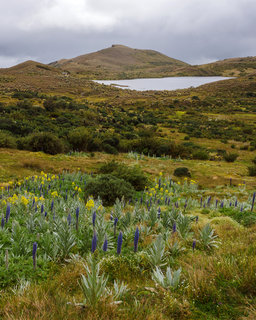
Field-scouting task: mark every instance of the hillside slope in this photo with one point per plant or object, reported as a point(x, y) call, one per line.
point(231, 67)
point(121, 61)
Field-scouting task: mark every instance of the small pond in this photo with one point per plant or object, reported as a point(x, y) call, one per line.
point(170, 83)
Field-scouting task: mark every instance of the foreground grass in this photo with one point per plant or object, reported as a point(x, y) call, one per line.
point(217, 282)
point(19, 164)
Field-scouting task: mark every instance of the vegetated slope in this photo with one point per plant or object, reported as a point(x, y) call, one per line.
point(28, 67)
point(121, 61)
point(231, 67)
point(36, 76)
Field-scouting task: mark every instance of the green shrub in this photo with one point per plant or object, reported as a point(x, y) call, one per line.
point(109, 188)
point(109, 149)
point(44, 141)
point(252, 171)
point(182, 172)
point(230, 157)
point(201, 155)
point(80, 139)
point(7, 141)
point(134, 175)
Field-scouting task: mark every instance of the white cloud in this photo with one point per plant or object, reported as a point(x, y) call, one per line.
point(7, 61)
point(184, 29)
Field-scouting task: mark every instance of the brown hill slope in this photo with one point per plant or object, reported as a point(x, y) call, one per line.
point(120, 61)
point(29, 66)
point(231, 67)
point(35, 76)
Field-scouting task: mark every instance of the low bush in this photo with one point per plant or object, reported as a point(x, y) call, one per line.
point(230, 157)
point(108, 188)
point(182, 172)
point(7, 141)
point(80, 139)
point(134, 175)
point(45, 141)
point(252, 171)
point(109, 149)
point(201, 155)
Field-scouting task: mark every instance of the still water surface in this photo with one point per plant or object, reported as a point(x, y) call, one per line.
point(170, 83)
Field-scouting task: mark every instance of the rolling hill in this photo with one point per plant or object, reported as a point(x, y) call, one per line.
point(121, 61)
point(231, 67)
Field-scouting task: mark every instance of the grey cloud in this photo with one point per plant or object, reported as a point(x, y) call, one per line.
point(195, 31)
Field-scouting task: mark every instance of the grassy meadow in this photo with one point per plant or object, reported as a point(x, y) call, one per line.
point(119, 204)
point(181, 248)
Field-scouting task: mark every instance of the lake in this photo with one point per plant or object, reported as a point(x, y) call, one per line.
point(170, 83)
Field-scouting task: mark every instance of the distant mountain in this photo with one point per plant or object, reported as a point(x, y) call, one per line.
point(231, 67)
point(121, 61)
point(116, 62)
point(27, 67)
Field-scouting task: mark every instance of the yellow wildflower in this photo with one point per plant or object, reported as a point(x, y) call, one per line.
point(90, 204)
point(24, 201)
point(54, 194)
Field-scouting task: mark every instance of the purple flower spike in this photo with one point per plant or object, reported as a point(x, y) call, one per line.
point(105, 245)
point(77, 216)
point(8, 212)
point(193, 245)
point(174, 227)
point(42, 208)
point(158, 213)
point(119, 242)
point(94, 242)
point(136, 239)
point(69, 219)
point(34, 254)
point(115, 223)
point(94, 218)
point(253, 200)
point(52, 205)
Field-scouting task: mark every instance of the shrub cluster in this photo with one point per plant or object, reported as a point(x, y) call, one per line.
point(134, 175)
point(108, 188)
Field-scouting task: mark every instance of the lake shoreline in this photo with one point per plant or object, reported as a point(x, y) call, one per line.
point(161, 84)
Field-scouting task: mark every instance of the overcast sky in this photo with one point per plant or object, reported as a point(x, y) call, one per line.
point(195, 31)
